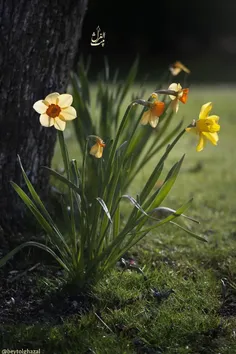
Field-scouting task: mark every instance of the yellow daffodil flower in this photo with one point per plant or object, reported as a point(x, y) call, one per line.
point(55, 110)
point(97, 149)
point(182, 95)
point(177, 67)
point(206, 127)
point(155, 110)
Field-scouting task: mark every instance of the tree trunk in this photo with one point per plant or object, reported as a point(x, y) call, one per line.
point(39, 41)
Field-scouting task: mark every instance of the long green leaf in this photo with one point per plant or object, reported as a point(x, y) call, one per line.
point(4, 259)
point(129, 81)
point(155, 200)
point(49, 228)
point(201, 238)
point(104, 207)
point(34, 195)
point(62, 178)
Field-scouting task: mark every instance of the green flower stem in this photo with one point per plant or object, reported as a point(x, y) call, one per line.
point(64, 153)
point(120, 131)
point(65, 157)
point(132, 134)
point(167, 92)
point(84, 223)
point(84, 167)
point(97, 212)
point(170, 146)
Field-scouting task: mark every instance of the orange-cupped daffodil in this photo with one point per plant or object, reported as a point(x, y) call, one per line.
point(97, 149)
point(156, 109)
point(181, 95)
point(55, 110)
point(177, 67)
point(206, 127)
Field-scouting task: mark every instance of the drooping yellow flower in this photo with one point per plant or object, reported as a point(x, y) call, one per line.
point(55, 110)
point(155, 110)
point(177, 67)
point(97, 149)
point(206, 127)
point(181, 95)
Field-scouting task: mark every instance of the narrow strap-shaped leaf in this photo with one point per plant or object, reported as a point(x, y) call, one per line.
point(136, 204)
point(198, 237)
point(75, 173)
point(129, 81)
point(178, 212)
point(47, 226)
point(105, 208)
point(155, 200)
point(36, 197)
point(62, 178)
point(4, 259)
point(164, 211)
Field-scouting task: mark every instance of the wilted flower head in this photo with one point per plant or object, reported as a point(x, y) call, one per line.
point(156, 109)
point(55, 110)
point(206, 127)
point(177, 67)
point(181, 95)
point(97, 149)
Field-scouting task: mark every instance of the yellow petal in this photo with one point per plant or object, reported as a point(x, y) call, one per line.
point(174, 71)
point(173, 87)
point(40, 107)
point(94, 149)
point(154, 121)
point(213, 137)
point(68, 113)
point(52, 98)
point(154, 95)
point(146, 117)
point(175, 105)
point(59, 124)
point(46, 121)
point(206, 108)
point(179, 87)
point(178, 64)
point(99, 152)
point(65, 100)
point(215, 118)
point(201, 143)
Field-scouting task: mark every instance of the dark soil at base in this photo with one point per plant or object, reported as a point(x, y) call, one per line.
point(32, 293)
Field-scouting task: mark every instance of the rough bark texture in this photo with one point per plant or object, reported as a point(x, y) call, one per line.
point(38, 42)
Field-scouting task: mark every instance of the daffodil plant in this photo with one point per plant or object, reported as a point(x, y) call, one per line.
point(97, 235)
point(109, 96)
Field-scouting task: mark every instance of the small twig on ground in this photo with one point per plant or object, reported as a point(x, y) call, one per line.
point(101, 320)
point(22, 274)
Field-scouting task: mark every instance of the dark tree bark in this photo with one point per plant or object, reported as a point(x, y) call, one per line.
point(38, 42)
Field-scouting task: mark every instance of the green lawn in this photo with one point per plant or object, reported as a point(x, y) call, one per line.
point(196, 317)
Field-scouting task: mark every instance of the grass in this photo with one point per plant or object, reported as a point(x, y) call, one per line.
point(134, 315)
